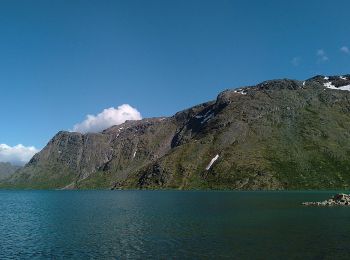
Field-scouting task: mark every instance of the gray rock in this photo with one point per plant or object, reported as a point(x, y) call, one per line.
point(339, 199)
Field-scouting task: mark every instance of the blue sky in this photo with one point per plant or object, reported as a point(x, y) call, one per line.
point(61, 60)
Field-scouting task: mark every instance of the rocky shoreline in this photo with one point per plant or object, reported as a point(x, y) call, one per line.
point(340, 199)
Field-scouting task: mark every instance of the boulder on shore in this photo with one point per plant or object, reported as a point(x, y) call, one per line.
point(339, 199)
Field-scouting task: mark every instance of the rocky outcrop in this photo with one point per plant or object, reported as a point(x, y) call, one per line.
point(340, 199)
point(279, 134)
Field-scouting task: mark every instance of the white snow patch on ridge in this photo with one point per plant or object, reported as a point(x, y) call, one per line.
point(240, 91)
point(331, 86)
point(343, 78)
point(211, 162)
point(347, 88)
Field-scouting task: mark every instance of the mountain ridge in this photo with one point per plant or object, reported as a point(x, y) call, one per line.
point(278, 134)
point(7, 169)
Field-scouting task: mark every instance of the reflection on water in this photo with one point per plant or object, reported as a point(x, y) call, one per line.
point(170, 224)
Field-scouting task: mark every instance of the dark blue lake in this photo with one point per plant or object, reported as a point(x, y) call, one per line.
point(170, 224)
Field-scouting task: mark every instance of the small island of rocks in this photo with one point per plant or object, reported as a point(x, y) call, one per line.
point(340, 199)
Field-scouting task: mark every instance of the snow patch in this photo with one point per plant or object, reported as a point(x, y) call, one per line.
point(331, 86)
point(240, 91)
point(303, 83)
point(119, 130)
point(326, 78)
point(207, 116)
point(343, 78)
point(347, 88)
point(211, 162)
point(133, 156)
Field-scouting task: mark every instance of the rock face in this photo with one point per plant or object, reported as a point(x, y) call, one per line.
point(7, 169)
point(340, 199)
point(280, 134)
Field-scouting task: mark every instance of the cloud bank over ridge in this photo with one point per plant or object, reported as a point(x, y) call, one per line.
point(18, 154)
point(107, 118)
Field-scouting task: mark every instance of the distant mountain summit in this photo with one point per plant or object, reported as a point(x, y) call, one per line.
point(279, 134)
point(6, 169)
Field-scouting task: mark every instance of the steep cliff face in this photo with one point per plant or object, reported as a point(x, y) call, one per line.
point(280, 134)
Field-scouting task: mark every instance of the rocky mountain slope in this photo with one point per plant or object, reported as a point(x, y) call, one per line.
point(280, 134)
point(6, 169)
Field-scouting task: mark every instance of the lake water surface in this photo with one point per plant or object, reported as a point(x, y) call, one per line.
point(170, 224)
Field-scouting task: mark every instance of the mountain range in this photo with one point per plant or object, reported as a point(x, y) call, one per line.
point(7, 169)
point(279, 134)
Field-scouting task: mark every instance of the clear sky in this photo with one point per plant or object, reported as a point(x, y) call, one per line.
point(61, 60)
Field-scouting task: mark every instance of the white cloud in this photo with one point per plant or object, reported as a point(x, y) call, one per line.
point(320, 52)
point(107, 118)
point(18, 154)
point(296, 61)
point(345, 49)
point(322, 56)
